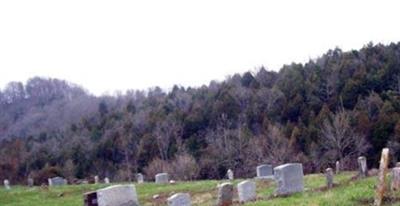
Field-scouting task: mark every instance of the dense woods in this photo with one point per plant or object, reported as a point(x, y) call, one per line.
point(336, 107)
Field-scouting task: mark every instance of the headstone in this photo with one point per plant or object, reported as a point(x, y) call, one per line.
point(265, 171)
point(229, 173)
point(179, 199)
point(90, 199)
point(96, 179)
point(7, 184)
point(117, 195)
point(225, 194)
point(289, 178)
point(246, 191)
point(140, 178)
point(30, 182)
point(397, 164)
point(329, 177)
point(162, 178)
point(381, 187)
point(107, 180)
point(362, 167)
point(395, 185)
point(57, 181)
point(337, 167)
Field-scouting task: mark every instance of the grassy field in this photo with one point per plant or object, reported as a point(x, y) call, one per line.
point(348, 191)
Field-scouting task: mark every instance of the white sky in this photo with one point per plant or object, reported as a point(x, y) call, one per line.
point(118, 45)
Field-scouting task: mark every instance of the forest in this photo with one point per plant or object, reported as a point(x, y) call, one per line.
point(336, 107)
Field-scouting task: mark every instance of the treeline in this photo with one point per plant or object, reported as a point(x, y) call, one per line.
point(335, 107)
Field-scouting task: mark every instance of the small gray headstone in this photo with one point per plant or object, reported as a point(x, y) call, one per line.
point(162, 178)
point(96, 179)
point(246, 191)
point(362, 167)
point(7, 184)
point(225, 194)
point(337, 167)
point(30, 182)
point(140, 178)
point(329, 177)
point(179, 199)
point(289, 178)
point(229, 173)
point(57, 181)
point(117, 195)
point(107, 180)
point(265, 171)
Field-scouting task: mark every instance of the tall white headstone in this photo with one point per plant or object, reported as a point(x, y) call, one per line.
point(229, 173)
point(140, 178)
point(7, 184)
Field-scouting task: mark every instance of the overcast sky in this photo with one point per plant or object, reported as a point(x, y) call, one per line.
point(118, 45)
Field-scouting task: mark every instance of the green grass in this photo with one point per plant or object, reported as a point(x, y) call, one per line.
point(346, 192)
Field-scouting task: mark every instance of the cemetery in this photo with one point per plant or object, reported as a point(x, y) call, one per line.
point(286, 185)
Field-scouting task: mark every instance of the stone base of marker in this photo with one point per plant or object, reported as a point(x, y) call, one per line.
point(395, 184)
point(179, 199)
point(246, 191)
point(225, 194)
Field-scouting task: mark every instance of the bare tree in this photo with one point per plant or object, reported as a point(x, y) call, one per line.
point(165, 131)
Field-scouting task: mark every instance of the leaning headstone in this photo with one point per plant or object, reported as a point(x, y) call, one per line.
point(289, 178)
point(30, 182)
point(246, 191)
point(329, 177)
point(265, 172)
point(96, 179)
point(107, 180)
point(7, 184)
point(117, 195)
point(90, 199)
point(179, 199)
point(140, 178)
point(381, 187)
point(229, 173)
point(395, 185)
point(337, 167)
point(225, 194)
point(162, 178)
point(362, 167)
point(57, 181)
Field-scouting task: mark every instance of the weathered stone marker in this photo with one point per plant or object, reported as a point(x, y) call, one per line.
point(329, 177)
point(162, 178)
point(96, 179)
point(90, 199)
point(381, 187)
point(225, 194)
point(289, 178)
point(397, 164)
point(265, 171)
point(7, 184)
point(229, 173)
point(140, 178)
point(337, 167)
point(179, 199)
point(107, 180)
point(395, 185)
point(57, 181)
point(117, 195)
point(246, 191)
point(362, 167)
point(30, 182)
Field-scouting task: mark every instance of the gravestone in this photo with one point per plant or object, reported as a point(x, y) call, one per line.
point(381, 187)
point(107, 180)
point(246, 191)
point(362, 167)
point(30, 182)
point(117, 195)
point(140, 178)
point(90, 199)
point(179, 199)
point(397, 164)
point(329, 177)
point(162, 178)
point(229, 173)
point(289, 178)
point(337, 167)
point(225, 194)
point(96, 179)
point(57, 181)
point(395, 185)
point(7, 184)
point(265, 171)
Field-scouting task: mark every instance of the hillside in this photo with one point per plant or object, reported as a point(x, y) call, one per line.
point(336, 107)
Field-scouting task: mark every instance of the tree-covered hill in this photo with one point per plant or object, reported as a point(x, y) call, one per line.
point(336, 107)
